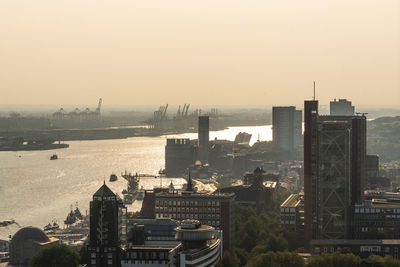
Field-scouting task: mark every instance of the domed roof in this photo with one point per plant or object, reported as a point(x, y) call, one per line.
point(30, 233)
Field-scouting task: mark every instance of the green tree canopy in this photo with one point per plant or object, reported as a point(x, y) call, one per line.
point(278, 259)
point(59, 255)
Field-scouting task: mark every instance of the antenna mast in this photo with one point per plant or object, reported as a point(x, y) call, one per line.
point(314, 91)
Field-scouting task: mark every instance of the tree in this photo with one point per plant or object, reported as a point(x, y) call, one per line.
point(229, 260)
point(59, 255)
point(278, 259)
point(335, 259)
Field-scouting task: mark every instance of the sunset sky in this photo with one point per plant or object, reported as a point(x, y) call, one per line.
point(204, 52)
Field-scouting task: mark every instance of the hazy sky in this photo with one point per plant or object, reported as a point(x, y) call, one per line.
point(199, 51)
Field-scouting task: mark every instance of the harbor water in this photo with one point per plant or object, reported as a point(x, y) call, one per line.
point(35, 190)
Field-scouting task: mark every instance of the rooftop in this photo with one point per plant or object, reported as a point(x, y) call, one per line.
point(104, 191)
point(292, 201)
point(355, 242)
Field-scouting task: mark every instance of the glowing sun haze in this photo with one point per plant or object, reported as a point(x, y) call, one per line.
point(200, 52)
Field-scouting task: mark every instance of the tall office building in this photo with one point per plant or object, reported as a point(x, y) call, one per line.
point(310, 169)
point(341, 108)
point(334, 171)
point(286, 127)
point(107, 229)
point(334, 180)
point(204, 128)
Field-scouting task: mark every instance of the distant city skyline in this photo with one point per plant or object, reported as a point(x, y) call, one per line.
point(204, 53)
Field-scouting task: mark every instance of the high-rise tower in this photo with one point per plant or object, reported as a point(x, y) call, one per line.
point(204, 128)
point(334, 171)
point(286, 127)
point(310, 168)
point(107, 228)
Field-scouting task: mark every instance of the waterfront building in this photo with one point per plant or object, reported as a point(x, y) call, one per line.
point(286, 127)
point(26, 243)
point(341, 108)
point(179, 156)
point(107, 229)
point(203, 138)
point(216, 209)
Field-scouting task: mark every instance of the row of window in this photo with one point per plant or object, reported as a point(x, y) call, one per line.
point(376, 210)
point(179, 209)
point(147, 255)
point(187, 215)
point(186, 203)
point(286, 209)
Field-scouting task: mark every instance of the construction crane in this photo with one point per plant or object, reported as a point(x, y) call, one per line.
point(99, 106)
point(187, 109)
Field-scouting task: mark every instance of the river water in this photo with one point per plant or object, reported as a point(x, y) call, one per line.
point(35, 190)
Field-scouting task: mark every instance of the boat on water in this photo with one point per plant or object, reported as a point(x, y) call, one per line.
point(113, 177)
point(54, 157)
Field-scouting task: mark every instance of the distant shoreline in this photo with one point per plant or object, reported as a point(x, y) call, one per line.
point(33, 147)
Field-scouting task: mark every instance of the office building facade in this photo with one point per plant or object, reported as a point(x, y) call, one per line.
point(286, 127)
point(203, 136)
point(342, 107)
point(216, 210)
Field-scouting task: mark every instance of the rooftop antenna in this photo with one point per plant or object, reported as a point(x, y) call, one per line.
point(314, 91)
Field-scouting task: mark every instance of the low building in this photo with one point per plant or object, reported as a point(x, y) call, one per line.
point(255, 192)
point(200, 244)
point(292, 213)
point(215, 209)
point(26, 243)
point(193, 244)
point(377, 219)
point(360, 247)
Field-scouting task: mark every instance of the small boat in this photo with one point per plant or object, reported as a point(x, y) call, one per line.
point(54, 157)
point(113, 178)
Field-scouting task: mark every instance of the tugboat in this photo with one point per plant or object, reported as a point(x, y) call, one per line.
point(113, 177)
point(54, 157)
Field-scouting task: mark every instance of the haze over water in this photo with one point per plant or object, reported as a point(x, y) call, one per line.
point(35, 190)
